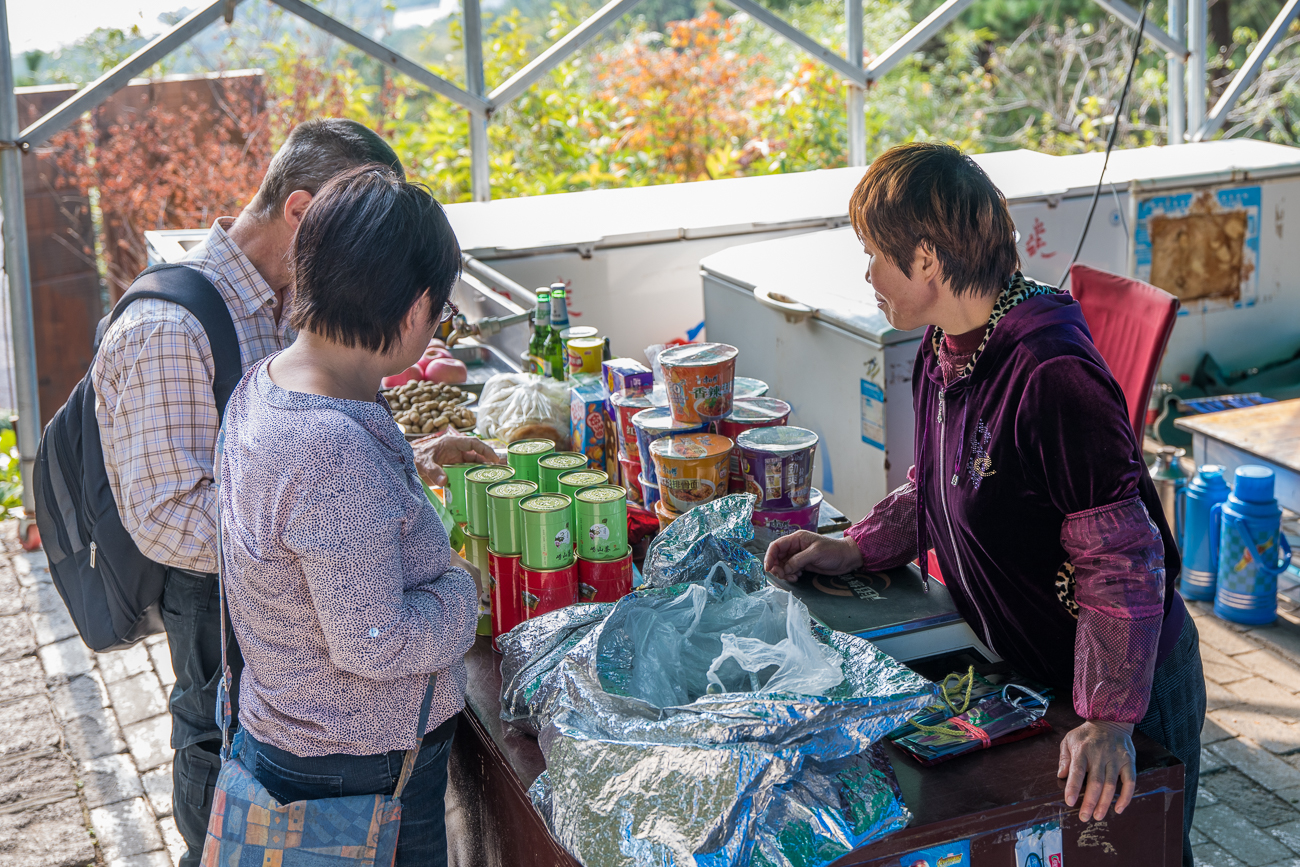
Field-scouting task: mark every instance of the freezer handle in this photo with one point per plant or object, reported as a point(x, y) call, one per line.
point(794, 311)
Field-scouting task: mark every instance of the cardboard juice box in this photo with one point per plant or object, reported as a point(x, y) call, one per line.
point(588, 422)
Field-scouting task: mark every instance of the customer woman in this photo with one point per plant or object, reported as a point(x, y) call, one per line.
point(1028, 481)
point(343, 591)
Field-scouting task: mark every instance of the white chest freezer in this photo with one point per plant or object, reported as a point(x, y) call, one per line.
point(824, 347)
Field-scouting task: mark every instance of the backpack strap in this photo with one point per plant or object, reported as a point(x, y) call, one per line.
point(187, 287)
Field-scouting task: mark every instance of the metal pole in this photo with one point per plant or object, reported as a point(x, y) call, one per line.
point(1198, 35)
point(18, 270)
point(1248, 71)
point(480, 178)
point(856, 99)
point(1176, 74)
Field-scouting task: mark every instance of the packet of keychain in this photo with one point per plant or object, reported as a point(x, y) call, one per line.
point(1013, 713)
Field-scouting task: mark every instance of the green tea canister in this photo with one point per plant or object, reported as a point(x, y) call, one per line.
point(548, 536)
point(600, 522)
point(576, 480)
point(551, 466)
point(505, 521)
point(454, 493)
point(523, 456)
point(477, 481)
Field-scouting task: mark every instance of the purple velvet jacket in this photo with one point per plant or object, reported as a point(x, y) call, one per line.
point(1029, 463)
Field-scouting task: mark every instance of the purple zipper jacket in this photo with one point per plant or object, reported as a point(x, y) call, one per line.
point(1029, 476)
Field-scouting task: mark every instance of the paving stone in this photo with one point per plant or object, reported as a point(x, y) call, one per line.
point(27, 724)
point(52, 626)
point(1267, 696)
point(1289, 834)
point(1197, 837)
point(1211, 763)
point(1221, 637)
point(54, 835)
point(93, 735)
point(1268, 770)
point(31, 567)
point(176, 846)
point(1205, 798)
point(20, 678)
point(66, 659)
point(1274, 734)
point(11, 596)
point(161, 655)
point(121, 664)
point(109, 779)
point(158, 787)
point(31, 780)
point(79, 696)
point(1291, 796)
point(1212, 732)
point(1230, 830)
point(16, 637)
point(1250, 799)
point(1271, 666)
point(128, 828)
point(150, 742)
point(137, 698)
point(1218, 696)
point(148, 859)
point(1210, 855)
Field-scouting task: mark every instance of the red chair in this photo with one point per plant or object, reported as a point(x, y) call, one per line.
point(1130, 323)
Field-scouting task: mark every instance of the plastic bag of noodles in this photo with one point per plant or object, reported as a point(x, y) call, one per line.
point(702, 724)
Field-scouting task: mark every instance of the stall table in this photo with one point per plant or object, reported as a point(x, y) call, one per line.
point(984, 798)
point(1266, 435)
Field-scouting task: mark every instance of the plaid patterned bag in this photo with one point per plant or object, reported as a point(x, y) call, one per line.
point(250, 828)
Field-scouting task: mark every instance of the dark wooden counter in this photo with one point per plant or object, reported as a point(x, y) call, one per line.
point(985, 797)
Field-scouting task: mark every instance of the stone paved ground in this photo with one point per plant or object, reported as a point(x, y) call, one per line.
point(85, 766)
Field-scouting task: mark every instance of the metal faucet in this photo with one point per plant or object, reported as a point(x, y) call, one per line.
point(485, 327)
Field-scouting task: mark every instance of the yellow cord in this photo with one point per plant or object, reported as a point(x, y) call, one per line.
point(949, 691)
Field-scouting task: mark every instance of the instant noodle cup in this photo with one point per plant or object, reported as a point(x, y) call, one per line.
point(691, 468)
point(699, 379)
point(747, 386)
point(666, 515)
point(626, 407)
point(652, 424)
point(786, 521)
point(777, 465)
point(629, 476)
point(649, 493)
point(748, 413)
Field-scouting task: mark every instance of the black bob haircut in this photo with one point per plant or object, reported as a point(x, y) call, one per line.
point(368, 247)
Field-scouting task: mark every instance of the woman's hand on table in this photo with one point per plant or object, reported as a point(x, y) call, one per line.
point(433, 452)
point(790, 555)
point(1103, 753)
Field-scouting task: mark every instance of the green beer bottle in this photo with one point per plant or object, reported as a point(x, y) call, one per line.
point(557, 361)
point(541, 330)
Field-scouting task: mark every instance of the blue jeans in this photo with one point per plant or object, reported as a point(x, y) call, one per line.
point(422, 840)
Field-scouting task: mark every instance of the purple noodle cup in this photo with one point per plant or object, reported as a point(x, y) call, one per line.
point(776, 463)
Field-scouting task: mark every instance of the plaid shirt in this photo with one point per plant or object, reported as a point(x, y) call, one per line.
point(158, 421)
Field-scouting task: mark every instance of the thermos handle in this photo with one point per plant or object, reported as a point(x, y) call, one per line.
point(1216, 524)
point(1284, 547)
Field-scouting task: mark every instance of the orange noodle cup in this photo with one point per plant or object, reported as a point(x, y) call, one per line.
point(692, 468)
point(666, 515)
point(699, 379)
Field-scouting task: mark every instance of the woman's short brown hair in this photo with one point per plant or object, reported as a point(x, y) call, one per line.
point(933, 194)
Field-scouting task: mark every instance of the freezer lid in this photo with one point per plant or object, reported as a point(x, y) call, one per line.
point(825, 271)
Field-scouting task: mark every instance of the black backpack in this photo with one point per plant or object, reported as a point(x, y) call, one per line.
point(111, 589)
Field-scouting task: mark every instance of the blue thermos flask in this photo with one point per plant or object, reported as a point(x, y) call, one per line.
point(1203, 493)
point(1250, 549)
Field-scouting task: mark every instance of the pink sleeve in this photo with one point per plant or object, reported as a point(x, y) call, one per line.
point(1119, 573)
point(887, 535)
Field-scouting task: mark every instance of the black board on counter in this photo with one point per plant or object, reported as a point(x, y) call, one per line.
point(874, 605)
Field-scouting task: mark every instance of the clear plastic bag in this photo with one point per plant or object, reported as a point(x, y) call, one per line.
point(517, 406)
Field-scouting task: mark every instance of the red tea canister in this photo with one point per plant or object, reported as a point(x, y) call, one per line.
point(748, 413)
point(504, 575)
point(604, 581)
point(777, 465)
point(546, 590)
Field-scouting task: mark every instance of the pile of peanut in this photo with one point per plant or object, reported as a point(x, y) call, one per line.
point(428, 407)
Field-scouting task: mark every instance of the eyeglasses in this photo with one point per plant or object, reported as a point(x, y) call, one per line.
point(448, 310)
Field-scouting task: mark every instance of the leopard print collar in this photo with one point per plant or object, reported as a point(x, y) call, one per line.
point(1020, 288)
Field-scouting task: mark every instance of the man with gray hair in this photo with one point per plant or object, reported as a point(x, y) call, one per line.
point(158, 422)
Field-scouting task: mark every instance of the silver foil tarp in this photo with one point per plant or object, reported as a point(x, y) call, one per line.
point(711, 533)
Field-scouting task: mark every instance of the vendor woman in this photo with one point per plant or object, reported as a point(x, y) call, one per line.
point(1029, 483)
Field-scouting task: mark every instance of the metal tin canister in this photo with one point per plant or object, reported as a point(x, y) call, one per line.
point(604, 580)
point(548, 534)
point(476, 552)
point(747, 386)
point(543, 590)
point(575, 480)
point(585, 354)
point(523, 456)
point(600, 522)
point(453, 495)
point(507, 604)
point(785, 521)
point(625, 407)
point(699, 378)
point(551, 466)
point(477, 481)
point(505, 521)
point(692, 468)
point(650, 425)
point(748, 413)
point(777, 465)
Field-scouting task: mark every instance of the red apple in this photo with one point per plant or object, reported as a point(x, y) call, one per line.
point(411, 374)
point(446, 370)
point(436, 352)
